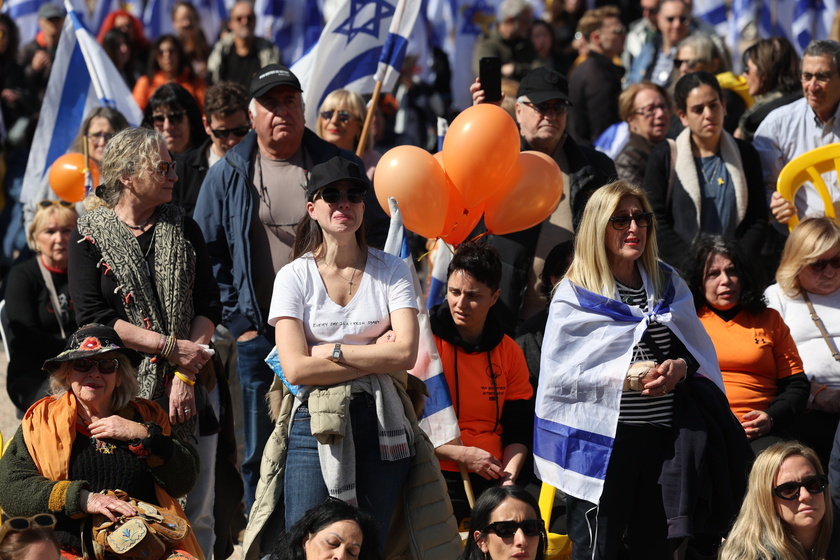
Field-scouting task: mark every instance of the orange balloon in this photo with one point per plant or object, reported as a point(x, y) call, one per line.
point(413, 177)
point(460, 220)
point(479, 150)
point(67, 177)
point(535, 194)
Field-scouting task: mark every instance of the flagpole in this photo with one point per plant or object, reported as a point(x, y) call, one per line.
point(374, 100)
point(465, 477)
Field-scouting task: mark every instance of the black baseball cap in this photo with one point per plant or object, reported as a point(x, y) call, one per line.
point(543, 84)
point(332, 171)
point(272, 76)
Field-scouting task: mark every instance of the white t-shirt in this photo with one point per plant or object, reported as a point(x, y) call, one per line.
point(817, 361)
point(299, 292)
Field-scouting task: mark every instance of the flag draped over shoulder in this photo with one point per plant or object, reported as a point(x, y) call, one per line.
point(587, 349)
point(82, 79)
point(438, 419)
point(351, 46)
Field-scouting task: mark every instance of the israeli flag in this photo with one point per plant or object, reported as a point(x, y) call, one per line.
point(25, 14)
point(438, 419)
point(293, 26)
point(360, 35)
point(82, 78)
point(714, 13)
point(800, 21)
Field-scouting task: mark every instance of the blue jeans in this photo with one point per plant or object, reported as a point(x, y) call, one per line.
point(255, 378)
point(378, 482)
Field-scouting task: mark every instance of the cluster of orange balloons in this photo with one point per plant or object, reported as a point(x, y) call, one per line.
point(479, 171)
point(67, 177)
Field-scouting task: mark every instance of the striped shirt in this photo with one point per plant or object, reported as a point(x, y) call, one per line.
point(637, 408)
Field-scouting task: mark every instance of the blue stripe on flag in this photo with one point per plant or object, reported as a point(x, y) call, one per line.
point(393, 51)
point(437, 289)
point(572, 449)
point(405, 250)
point(716, 16)
point(358, 67)
point(24, 8)
point(72, 103)
point(439, 397)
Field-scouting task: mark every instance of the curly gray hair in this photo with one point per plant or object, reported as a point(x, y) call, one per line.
point(133, 152)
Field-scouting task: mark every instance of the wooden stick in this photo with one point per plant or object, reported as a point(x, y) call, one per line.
point(374, 100)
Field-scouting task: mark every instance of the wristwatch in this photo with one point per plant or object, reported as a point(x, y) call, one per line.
point(336, 353)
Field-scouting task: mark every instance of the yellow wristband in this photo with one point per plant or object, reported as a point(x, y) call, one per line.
point(184, 378)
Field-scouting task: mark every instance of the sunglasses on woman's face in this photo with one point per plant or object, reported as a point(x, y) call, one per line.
point(343, 116)
point(174, 117)
point(819, 266)
point(507, 529)
point(104, 365)
point(623, 222)
point(815, 484)
point(331, 195)
point(48, 203)
point(18, 524)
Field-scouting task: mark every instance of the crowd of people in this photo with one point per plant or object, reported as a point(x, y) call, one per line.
point(661, 349)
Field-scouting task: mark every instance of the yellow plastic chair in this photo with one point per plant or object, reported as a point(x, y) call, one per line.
point(559, 546)
point(809, 167)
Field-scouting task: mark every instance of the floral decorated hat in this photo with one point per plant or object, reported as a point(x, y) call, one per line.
point(92, 340)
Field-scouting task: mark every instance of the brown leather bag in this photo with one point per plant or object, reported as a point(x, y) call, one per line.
point(147, 535)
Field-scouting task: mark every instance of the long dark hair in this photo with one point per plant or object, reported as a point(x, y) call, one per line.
point(153, 67)
point(777, 64)
point(290, 544)
point(483, 510)
point(175, 97)
point(749, 275)
point(14, 38)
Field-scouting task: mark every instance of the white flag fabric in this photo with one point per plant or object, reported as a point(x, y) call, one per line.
point(25, 15)
point(349, 49)
point(800, 21)
point(82, 78)
point(438, 419)
point(293, 26)
point(396, 43)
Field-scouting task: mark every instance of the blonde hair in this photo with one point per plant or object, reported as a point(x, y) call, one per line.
point(759, 532)
point(350, 101)
point(810, 239)
point(591, 268)
point(42, 217)
point(124, 392)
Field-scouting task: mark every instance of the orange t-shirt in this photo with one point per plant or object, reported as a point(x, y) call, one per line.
point(754, 352)
point(477, 404)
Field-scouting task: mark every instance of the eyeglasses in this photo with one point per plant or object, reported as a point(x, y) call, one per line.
point(19, 524)
point(821, 77)
point(105, 365)
point(239, 131)
point(343, 116)
point(331, 195)
point(649, 111)
point(683, 19)
point(249, 18)
point(819, 265)
point(507, 529)
point(100, 136)
point(815, 484)
point(164, 167)
point(174, 117)
point(623, 222)
point(48, 203)
point(616, 30)
point(549, 109)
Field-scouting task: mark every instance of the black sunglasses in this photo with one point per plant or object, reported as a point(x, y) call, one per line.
point(819, 266)
point(104, 365)
point(48, 203)
point(18, 524)
point(331, 195)
point(239, 131)
point(507, 529)
point(174, 117)
point(683, 19)
point(623, 222)
point(815, 484)
point(100, 135)
point(548, 108)
point(343, 116)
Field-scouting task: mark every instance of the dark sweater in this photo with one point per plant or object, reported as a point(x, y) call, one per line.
point(35, 334)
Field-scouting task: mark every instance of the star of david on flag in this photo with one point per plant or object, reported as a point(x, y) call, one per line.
point(360, 35)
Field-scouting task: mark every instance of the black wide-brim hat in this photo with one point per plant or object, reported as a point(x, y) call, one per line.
point(92, 340)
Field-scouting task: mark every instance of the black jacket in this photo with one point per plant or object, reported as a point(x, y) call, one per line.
point(594, 88)
point(192, 167)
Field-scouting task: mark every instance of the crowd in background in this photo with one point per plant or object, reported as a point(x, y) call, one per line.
point(659, 335)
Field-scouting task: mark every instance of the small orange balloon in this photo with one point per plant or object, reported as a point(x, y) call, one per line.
point(479, 150)
point(413, 177)
point(535, 194)
point(67, 177)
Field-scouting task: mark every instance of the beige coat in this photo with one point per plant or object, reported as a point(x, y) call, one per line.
point(424, 527)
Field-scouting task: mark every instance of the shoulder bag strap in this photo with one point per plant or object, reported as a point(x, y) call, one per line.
point(816, 318)
point(48, 280)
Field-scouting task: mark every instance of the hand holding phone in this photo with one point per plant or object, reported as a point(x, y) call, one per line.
point(490, 74)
